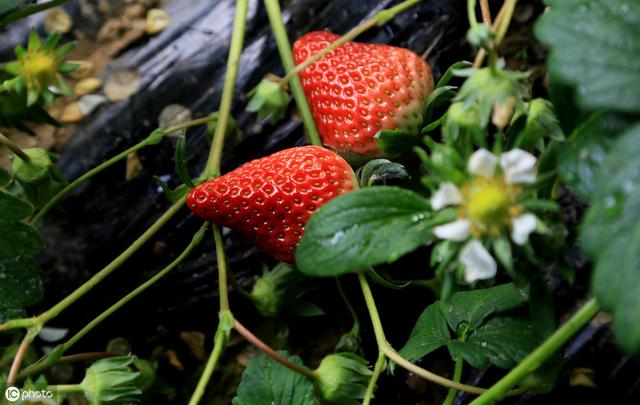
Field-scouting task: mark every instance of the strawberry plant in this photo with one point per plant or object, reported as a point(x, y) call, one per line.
point(463, 178)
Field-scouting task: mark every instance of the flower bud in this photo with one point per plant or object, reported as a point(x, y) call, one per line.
point(343, 378)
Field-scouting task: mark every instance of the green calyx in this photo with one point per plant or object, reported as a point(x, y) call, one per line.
point(34, 170)
point(111, 380)
point(40, 178)
point(277, 288)
point(343, 379)
point(268, 99)
point(39, 68)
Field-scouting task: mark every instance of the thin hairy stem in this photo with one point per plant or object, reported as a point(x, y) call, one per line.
point(284, 48)
point(14, 148)
point(264, 348)
point(377, 369)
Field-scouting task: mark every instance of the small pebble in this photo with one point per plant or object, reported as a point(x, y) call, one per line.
point(122, 84)
point(86, 86)
point(57, 20)
point(88, 104)
point(157, 20)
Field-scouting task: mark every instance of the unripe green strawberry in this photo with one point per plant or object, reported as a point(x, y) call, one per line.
point(270, 200)
point(359, 89)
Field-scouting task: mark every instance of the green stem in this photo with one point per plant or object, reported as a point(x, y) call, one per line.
point(117, 262)
point(457, 375)
point(197, 238)
point(222, 268)
point(27, 11)
point(354, 315)
point(238, 288)
point(471, 13)
point(377, 369)
point(381, 18)
point(151, 139)
point(509, 7)
point(14, 148)
point(264, 348)
point(18, 323)
point(534, 360)
point(47, 362)
point(235, 51)
point(284, 48)
point(373, 311)
point(65, 389)
point(218, 345)
point(212, 169)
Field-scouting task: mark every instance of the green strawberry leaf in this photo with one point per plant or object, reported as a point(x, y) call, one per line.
point(18, 239)
point(595, 46)
point(351, 232)
point(471, 308)
point(266, 382)
point(20, 283)
point(395, 142)
point(181, 161)
point(502, 341)
point(5, 177)
point(13, 208)
point(611, 235)
point(8, 5)
point(582, 156)
point(430, 333)
point(8, 313)
point(450, 73)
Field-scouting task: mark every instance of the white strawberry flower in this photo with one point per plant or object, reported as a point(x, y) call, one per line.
point(488, 205)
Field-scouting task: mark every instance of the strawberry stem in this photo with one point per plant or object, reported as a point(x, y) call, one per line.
point(222, 268)
point(264, 348)
point(500, 26)
point(377, 369)
point(218, 346)
point(212, 168)
point(379, 19)
point(14, 148)
point(284, 48)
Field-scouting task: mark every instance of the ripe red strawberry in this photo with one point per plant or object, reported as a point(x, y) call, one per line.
point(269, 200)
point(359, 89)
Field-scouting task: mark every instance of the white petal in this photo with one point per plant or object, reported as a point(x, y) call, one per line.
point(456, 231)
point(477, 261)
point(52, 335)
point(522, 228)
point(482, 163)
point(518, 166)
point(447, 194)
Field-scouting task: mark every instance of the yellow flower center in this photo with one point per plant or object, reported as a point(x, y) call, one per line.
point(490, 204)
point(39, 68)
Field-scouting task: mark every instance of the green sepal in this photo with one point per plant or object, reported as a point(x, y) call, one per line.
point(111, 379)
point(342, 378)
point(268, 99)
